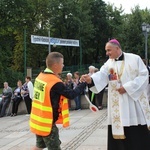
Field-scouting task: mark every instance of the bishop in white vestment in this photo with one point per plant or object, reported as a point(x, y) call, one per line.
point(128, 107)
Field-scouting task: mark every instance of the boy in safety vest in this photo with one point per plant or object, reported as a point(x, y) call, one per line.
point(50, 104)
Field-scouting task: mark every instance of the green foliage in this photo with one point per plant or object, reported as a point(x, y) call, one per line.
point(133, 33)
point(18, 52)
point(115, 22)
point(11, 77)
point(100, 36)
point(71, 20)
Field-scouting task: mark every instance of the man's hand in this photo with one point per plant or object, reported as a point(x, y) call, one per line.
point(121, 90)
point(86, 78)
point(3, 97)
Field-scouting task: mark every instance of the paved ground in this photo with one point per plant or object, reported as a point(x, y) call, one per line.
point(87, 132)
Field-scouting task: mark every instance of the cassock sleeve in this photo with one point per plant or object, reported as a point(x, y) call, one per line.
point(100, 79)
point(135, 87)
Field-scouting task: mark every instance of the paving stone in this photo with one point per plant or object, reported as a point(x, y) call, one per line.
point(87, 131)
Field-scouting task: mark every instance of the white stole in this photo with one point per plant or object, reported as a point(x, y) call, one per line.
point(115, 99)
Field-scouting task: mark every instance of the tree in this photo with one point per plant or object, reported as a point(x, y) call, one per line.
point(91, 21)
point(71, 20)
point(100, 27)
point(132, 32)
point(115, 19)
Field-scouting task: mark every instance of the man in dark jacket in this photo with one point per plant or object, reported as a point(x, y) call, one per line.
point(6, 97)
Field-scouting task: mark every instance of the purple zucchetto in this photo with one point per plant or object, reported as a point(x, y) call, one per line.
point(114, 41)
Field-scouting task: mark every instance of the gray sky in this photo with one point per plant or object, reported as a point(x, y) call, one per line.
point(128, 4)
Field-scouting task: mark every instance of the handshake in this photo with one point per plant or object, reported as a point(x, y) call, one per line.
point(86, 78)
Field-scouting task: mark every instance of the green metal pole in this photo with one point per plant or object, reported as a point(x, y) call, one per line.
point(146, 36)
point(49, 44)
point(25, 49)
point(80, 54)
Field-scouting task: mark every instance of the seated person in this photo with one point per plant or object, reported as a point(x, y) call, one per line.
point(6, 97)
point(16, 98)
point(78, 98)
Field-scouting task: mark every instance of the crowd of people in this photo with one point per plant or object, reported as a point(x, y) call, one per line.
point(72, 80)
point(96, 99)
point(12, 98)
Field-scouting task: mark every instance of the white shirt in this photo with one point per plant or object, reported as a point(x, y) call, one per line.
point(30, 88)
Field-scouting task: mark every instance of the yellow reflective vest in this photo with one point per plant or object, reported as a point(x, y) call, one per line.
point(41, 117)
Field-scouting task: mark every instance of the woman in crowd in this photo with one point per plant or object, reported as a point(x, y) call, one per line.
point(27, 93)
point(16, 98)
point(77, 99)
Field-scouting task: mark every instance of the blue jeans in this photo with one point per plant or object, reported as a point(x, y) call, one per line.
point(78, 102)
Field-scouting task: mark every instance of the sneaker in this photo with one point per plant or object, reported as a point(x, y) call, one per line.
point(15, 114)
point(100, 107)
point(27, 115)
point(11, 115)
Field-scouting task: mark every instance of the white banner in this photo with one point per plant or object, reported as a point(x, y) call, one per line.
point(53, 41)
